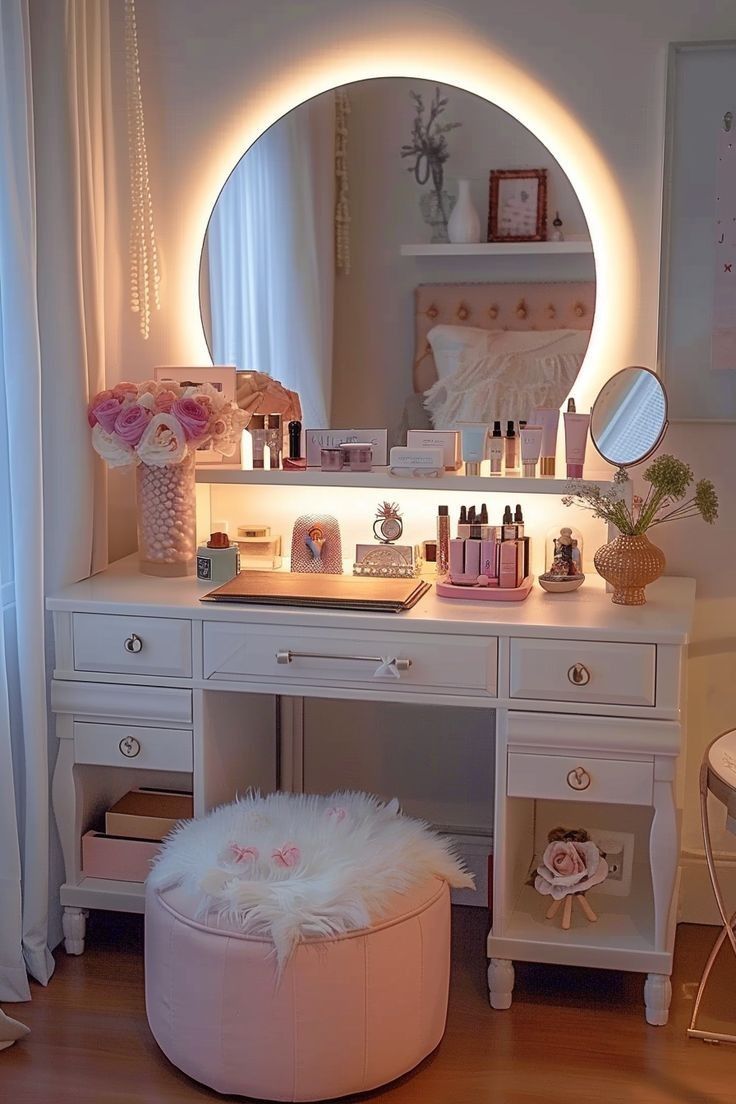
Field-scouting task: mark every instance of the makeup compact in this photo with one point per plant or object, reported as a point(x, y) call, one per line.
point(357, 456)
point(332, 459)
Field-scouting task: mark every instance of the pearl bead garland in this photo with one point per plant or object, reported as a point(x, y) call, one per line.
point(145, 278)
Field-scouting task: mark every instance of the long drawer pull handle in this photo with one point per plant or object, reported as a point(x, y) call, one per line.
point(579, 675)
point(578, 778)
point(129, 747)
point(286, 656)
point(133, 644)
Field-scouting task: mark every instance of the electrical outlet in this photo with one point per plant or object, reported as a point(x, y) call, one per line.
point(618, 848)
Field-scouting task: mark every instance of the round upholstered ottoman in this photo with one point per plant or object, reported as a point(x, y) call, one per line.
point(290, 982)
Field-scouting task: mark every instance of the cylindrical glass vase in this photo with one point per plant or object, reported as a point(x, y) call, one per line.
point(166, 518)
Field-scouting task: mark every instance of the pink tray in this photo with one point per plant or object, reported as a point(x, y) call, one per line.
point(487, 594)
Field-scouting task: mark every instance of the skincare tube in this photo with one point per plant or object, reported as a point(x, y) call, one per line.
point(549, 419)
point(531, 446)
point(457, 556)
point(474, 447)
point(472, 552)
point(576, 436)
point(495, 449)
point(489, 558)
point(508, 565)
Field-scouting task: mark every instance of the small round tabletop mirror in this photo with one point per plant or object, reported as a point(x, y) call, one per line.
point(629, 417)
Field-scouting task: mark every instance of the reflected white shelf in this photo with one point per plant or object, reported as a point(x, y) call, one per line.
point(497, 249)
point(379, 477)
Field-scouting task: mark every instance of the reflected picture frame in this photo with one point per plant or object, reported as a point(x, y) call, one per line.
point(517, 205)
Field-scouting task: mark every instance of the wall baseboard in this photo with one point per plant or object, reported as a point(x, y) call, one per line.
point(697, 904)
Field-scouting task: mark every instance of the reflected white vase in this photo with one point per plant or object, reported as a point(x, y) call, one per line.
point(463, 227)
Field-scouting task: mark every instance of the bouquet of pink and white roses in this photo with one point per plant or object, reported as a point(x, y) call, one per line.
point(160, 423)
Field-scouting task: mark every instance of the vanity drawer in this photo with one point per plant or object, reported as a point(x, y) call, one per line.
point(452, 663)
point(108, 745)
point(583, 671)
point(580, 778)
point(133, 645)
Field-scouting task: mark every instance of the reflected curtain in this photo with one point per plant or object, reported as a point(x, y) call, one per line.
point(271, 258)
point(24, 813)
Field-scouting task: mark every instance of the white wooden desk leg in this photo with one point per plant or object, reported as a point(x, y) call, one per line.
point(657, 997)
point(74, 923)
point(500, 982)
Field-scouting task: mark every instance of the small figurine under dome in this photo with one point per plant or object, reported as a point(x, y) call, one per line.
point(565, 573)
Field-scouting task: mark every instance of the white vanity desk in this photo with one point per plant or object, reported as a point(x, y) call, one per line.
point(587, 696)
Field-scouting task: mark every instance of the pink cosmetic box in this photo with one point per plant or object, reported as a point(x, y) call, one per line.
point(116, 857)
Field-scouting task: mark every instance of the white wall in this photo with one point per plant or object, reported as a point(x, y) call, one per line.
point(374, 309)
point(205, 65)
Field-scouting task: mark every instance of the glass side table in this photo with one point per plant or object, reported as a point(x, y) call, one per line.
point(718, 777)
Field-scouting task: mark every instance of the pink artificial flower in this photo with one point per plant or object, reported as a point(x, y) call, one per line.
point(100, 397)
point(149, 387)
point(240, 854)
point(205, 401)
point(131, 422)
point(164, 401)
point(125, 390)
point(336, 813)
point(106, 412)
point(288, 855)
point(192, 417)
point(163, 442)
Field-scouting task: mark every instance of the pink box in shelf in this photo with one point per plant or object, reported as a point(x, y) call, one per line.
point(116, 857)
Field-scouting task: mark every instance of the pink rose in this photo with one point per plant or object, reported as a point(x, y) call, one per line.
point(131, 422)
point(105, 413)
point(164, 401)
point(149, 387)
point(100, 397)
point(192, 417)
point(125, 390)
point(569, 867)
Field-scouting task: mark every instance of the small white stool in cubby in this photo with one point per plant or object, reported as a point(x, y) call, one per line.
point(717, 777)
point(298, 948)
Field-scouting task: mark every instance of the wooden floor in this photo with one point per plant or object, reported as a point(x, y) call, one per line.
point(572, 1036)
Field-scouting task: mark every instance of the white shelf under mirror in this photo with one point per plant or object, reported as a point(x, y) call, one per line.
point(497, 249)
point(380, 478)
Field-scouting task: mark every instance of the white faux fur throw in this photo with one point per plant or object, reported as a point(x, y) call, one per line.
point(291, 865)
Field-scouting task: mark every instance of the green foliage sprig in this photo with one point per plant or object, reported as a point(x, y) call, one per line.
point(669, 480)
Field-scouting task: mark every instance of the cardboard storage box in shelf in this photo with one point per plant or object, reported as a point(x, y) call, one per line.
point(116, 858)
point(148, 814)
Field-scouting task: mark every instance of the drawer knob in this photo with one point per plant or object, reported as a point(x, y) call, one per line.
point(133, 644)
point(129, 747)
point(578, 778)
point(579, 675)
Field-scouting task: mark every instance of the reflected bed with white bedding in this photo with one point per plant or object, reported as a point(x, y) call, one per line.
point(496, 351)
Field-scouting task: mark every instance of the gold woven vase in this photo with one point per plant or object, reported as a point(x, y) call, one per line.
point(629, 564)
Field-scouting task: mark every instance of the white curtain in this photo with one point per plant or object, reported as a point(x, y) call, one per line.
point(24, 812)
point(271, 258)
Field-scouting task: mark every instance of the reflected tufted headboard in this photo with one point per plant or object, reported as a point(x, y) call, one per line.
point(529, 306)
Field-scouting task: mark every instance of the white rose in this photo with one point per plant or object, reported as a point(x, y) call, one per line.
point(146, 400)
point(217, 398)
point(111, 448)
point(163, 442)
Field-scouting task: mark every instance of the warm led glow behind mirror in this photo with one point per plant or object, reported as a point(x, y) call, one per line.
point(350, 342)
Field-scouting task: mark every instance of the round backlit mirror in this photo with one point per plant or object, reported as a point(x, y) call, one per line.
point(629, 417)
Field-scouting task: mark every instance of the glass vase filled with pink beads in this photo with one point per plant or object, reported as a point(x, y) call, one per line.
point(167, 526)
point(157, 427)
